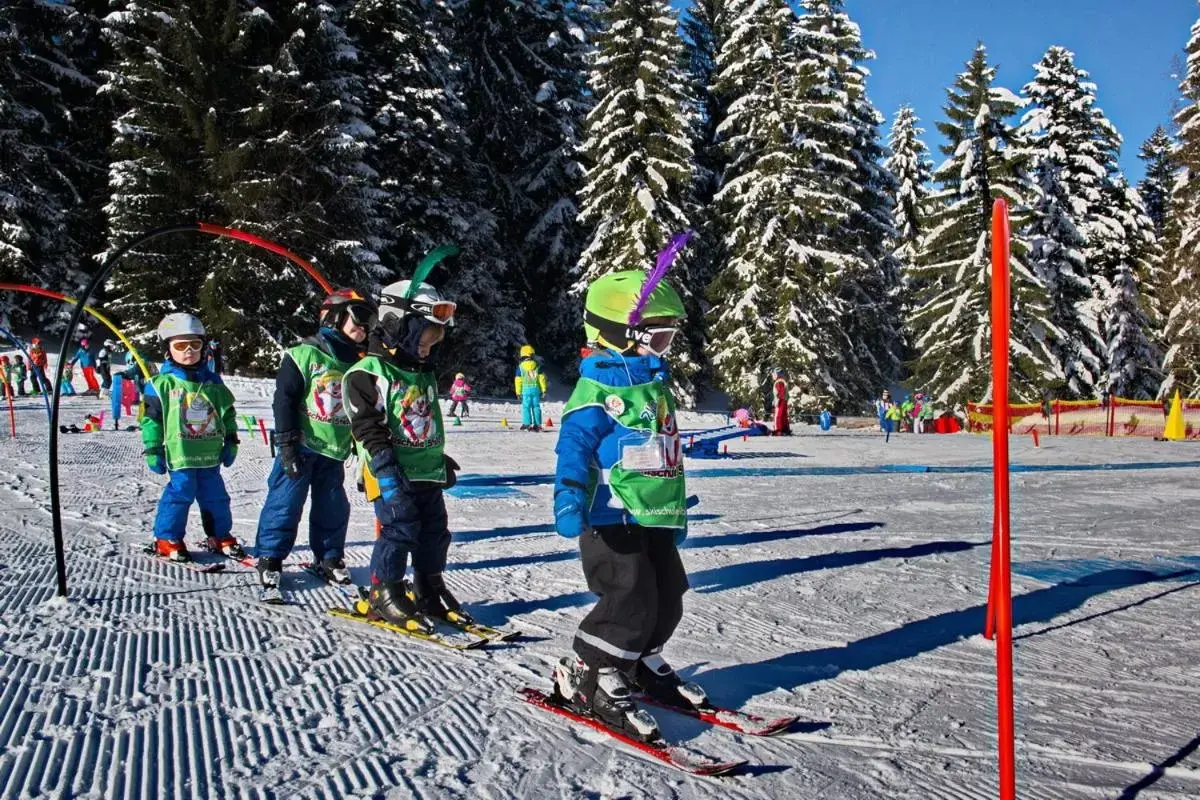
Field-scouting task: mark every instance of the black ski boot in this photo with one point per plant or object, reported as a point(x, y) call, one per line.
point(333, 570)
point(433, 599)
point(270, 570)
point(655, 678)
point(604, 694)
point(390, 602)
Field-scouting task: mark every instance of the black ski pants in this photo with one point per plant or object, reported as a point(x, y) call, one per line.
point(641, 581)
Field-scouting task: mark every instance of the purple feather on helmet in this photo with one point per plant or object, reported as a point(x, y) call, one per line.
point(665, 259)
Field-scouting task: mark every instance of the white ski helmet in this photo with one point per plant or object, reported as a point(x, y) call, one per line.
point(179, 324)
point(426, 302)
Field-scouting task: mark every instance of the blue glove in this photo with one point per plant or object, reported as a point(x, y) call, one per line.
point(156, 460)
point(569, 518)
point(681, 534)
point(394, 502)
point(229, 452)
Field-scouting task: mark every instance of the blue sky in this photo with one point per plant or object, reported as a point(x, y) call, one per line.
point(1126, 45)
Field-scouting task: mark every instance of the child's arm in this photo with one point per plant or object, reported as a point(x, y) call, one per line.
point(229, 423)
point(152, 431)
point(288, 403)
point(579, 440)
point(368, 423)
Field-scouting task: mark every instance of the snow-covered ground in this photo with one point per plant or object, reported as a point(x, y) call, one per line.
point(853, 598)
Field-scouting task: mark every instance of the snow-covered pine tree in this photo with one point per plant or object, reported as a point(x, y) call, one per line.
point(1155, 189)
point(951, 327)
point(432, 185)
point(1182, 332)
point(1132, 354)
point(523, 85)
point(838, 113)
point(639, 159)
point(297, 176)
point(773, 299)
point(912, 170)
point(232, 113)
point(43, 183)
point(705, 26)
point(1074, 152)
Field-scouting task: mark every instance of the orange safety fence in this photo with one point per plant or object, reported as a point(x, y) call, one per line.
point(1121, 417)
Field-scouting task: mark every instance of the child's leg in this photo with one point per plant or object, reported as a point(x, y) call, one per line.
point(171, 521)
point(215, 513)
point(429, 556)
point(453, 405)
point(399, 534)
point(466, 412)
point(526, 409)
point(329, 514)
point(671, 581)
point(89, 378)
point(280, 516)
point(617, 630)
point(537, 410)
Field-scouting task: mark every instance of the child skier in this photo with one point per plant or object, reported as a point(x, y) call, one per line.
point(312, 433)
point(83, 356)
point(460, 390)
point(396, 422)
point(530, 385)
point(891, 421)
point(19, 371)
point(67, 389)
point(6, 371)
point(37, 358)
point(124, 372)
point(104, 365)
point(783, 426)
point(619, 488)
point(190, 430)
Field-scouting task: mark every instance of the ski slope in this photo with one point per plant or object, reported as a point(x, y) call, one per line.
point(855, 598)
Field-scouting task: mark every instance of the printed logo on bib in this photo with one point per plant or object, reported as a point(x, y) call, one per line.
point(416, 418)
point(197, 416)
point(615, 405)
point(325, 404)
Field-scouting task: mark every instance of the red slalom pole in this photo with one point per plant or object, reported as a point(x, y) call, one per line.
point(1000, 612)
point(262, 426)
point(12, 415)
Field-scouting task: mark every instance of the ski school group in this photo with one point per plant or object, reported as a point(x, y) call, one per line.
point(365, 382)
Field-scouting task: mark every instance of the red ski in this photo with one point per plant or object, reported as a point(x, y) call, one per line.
point(677, 757)
point(734, 720)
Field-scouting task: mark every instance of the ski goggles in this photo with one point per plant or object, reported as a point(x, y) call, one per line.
point(656, 339)
point(187, 345)
point(362, 314)
point(441, 311)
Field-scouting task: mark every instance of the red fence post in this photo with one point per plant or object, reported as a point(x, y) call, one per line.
point(12, 415)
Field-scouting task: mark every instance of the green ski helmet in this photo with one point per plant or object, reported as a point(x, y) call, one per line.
point(610, 300)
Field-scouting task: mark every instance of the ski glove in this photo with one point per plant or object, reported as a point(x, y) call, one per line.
point(394, 503)
point(452, 469)
point(569, 518)
point(156, 460)
point(229, 452)
point(288, 443)
point(680, 535)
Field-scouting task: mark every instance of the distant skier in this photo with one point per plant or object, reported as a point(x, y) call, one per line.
point(530, 385)
point(783, 425)
point(104, 366)
point(312, 432)
point(460, 392)
point(66, 387)
point(83, 357)
point(891, 421)
point(216, 357)
point(881, 407)
point(38, 361)
point(396, 422)
point(6, 377)
point(19, 371)
point(619, 489)
point(190, 431)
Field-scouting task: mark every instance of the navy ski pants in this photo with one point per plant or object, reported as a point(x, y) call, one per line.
point(421, 529)
point(328, 516)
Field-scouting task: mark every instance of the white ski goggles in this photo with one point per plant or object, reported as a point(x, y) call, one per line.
point(657, 339)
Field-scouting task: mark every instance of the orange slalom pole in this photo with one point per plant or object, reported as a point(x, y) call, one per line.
point(1001, 612)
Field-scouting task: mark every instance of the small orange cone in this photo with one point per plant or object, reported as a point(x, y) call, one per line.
point(549, 422)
